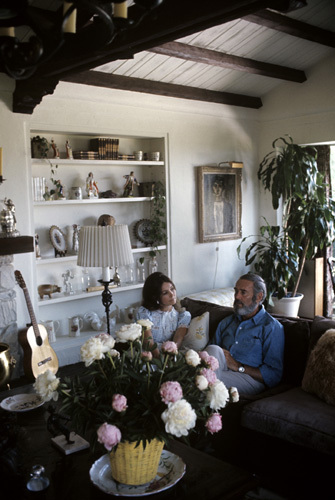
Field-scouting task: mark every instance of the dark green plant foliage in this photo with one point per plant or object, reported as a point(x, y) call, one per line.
point(157, 230)
point(290, 173)
point(273, 257)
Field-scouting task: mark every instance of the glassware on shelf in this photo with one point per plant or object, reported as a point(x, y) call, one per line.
point(140, 271)
point(153, 265)
point(130, 275)
point(85, 279)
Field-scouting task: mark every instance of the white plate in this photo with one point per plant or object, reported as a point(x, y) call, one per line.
point(22, 402)
point(171, 469)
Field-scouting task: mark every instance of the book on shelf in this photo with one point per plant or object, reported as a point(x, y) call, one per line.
point(106, 147)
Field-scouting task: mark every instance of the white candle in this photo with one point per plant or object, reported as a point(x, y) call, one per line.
point(70, 24)
point(120, 10)
point(0, 162)
point(7, 31)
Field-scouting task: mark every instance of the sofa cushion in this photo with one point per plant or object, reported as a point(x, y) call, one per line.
point(319, 326)
point(296, 350)
point(198, 333)
point(216, 312)
point(319, 377)
point(294, 416)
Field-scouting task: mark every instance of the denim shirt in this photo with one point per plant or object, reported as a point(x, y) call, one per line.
point(165, 323)
point(257, 342)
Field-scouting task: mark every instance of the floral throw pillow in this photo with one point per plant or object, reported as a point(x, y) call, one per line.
point(319, 377)
point(197, 336)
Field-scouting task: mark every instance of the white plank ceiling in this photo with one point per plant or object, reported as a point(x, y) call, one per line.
point(239, 38)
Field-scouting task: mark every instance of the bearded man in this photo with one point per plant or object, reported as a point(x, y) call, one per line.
point(249, 344)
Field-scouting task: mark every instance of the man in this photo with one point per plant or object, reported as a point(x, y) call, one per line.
point(249, 344)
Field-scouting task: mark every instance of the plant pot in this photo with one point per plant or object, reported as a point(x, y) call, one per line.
point(287, 306)
point(135, 465)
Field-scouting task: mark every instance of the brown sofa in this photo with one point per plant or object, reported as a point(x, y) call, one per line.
point(285, 412)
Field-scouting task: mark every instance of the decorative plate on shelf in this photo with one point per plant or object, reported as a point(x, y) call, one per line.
point(142, 230)
point(22, 402)
point(58, 240)
point(171, 469)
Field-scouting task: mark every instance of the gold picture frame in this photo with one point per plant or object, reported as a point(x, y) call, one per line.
point(220, 203)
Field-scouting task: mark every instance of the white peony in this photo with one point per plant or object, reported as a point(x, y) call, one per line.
point(234, 395)
point(192, 358)
point(146, 323)
point(179, 418)
point(129, 333)
point(93, 350)
point(218, 395)
point(201, 382)
point(46, 386)
point(107, 340)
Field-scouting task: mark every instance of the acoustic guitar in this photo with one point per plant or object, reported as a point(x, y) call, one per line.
point(38, 355)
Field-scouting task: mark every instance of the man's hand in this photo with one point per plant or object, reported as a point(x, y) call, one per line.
point(231, 362)
point(249, 370)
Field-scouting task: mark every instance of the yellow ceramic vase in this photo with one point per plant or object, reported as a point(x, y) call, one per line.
point(135, 465)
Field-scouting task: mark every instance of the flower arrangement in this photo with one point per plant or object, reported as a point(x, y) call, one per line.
point(128, 395)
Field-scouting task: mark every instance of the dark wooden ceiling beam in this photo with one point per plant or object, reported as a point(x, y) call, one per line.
point(293, 27)
point(106, 80)
point(215, 58)
point(172, 20)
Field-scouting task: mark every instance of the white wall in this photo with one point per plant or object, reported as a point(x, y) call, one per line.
point(198, 134)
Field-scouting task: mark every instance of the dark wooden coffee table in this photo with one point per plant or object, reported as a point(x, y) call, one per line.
point(206, 477)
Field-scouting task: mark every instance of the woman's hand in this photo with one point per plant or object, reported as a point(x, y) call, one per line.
point(179, 335)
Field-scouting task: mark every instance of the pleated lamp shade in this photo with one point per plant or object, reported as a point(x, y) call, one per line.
point(104, 246)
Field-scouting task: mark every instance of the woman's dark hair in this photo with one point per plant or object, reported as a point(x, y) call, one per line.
point(151, 293)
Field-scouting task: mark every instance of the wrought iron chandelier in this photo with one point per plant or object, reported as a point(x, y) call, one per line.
point(79, 25)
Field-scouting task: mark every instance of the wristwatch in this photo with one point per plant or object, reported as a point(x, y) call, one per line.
point(241, 369)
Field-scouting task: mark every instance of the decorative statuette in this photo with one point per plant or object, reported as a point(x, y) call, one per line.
point(8, 220)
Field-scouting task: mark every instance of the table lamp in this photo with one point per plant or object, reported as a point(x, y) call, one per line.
point(105, 247)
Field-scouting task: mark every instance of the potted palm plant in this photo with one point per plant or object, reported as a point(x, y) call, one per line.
point(291, 174)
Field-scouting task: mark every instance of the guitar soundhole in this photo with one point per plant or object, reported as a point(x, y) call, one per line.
point(39, 341)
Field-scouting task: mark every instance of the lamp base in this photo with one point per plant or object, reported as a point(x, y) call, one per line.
point(107, 300)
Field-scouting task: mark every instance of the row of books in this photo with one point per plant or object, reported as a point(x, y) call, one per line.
point(107, 148)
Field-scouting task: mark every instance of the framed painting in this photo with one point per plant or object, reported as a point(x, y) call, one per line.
point(220, 203)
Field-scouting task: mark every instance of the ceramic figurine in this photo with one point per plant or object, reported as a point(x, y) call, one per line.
point(91, 186)
point(128, 188)
point(69, 154)
point(55, 149)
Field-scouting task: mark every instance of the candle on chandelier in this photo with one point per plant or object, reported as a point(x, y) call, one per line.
point(70, 24)
point(0, 162)
point(120, 10)
point(7, 31)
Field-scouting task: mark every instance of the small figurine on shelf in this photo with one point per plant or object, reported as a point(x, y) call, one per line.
point(75, 238)
point(8, 219)
point(55, 149)
point(69, 154)
point(59, 192)
point(128, 188)
point(91, 186)
point(37, 247)
point(67, 283)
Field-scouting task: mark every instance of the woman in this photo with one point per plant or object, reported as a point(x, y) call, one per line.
point(159, 307)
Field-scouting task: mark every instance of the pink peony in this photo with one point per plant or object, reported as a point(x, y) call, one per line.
point(170, 347)
point(212, 363)
point(108, 435)
point(204, 355)
point(214, 423)
point(171, 392)
point(146, 355)
point(119, 403)
point(209, 374)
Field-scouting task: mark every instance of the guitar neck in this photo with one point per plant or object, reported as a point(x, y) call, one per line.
point(31, 312)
